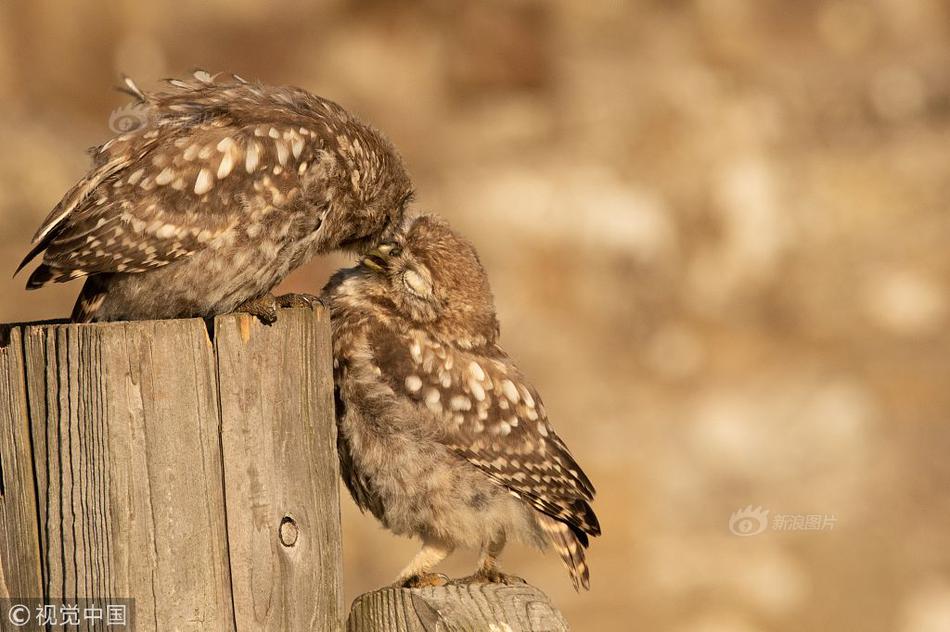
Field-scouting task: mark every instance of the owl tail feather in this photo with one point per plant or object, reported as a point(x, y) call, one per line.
point(570, 547)
point(90, 300)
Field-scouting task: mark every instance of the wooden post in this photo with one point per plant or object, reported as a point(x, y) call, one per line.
point(463, 607)
point(197, 476)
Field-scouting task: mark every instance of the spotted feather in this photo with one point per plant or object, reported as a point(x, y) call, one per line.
point(493, 418)
point(234, 171)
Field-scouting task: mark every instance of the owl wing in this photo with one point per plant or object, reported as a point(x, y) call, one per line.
point(492, 418)
point(176, 186)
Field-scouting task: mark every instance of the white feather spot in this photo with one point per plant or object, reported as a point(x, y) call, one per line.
point(528, 400)
point(477, 391)
point(204, 182)
point(510, 391)
point(252, 158)
point(227, 163)
point(282, 152)
point(460, 402)
point(166, 176)
point(225, 144)
point(136, 176)
point(542, 429)
point(413, 383)
point(433, 398)
point(476, 370)
point(166, 231)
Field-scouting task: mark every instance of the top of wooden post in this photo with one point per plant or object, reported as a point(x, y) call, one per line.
point(469, 607)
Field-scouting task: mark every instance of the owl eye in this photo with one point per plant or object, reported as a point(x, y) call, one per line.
point(417, 284)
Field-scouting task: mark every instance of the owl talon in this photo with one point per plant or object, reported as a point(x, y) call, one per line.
point(306, 301)
point(263, 307)
point(424, 580)
point(490, 576)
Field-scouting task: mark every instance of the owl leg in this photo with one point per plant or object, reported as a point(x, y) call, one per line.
point(417, 574)
point(307, 301)
point(488, 572)
point(264, 307)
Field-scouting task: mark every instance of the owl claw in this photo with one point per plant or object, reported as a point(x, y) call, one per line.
point(264, 307)
point(307, 301)
point(490, 576)
point(424, 580)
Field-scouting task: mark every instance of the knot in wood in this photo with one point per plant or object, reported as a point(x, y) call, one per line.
point(288, 531)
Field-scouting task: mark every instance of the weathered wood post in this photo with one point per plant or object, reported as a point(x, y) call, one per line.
point(196, 475)
point(451, 608)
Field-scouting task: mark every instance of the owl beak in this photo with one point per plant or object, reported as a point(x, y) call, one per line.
point(378, 258)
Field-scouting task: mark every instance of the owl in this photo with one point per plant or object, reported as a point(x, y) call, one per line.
point(218, 192)
point(440, 435)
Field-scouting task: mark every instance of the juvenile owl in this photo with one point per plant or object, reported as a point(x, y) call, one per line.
point(440, 435)
point(221, 190)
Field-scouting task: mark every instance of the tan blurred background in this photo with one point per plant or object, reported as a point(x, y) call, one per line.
point(719, 239)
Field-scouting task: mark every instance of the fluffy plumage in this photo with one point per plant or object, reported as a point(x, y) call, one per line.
point(440, 435)
point(224, 188)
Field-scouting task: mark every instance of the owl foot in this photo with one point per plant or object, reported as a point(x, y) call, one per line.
point(264, 307)
point(424, 580)
point(308, 301)
point(490, 576)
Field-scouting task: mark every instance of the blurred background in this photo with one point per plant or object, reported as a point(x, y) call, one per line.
point(719, 240)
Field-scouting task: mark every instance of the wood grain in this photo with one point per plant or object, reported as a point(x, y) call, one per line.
point(20, 574)
point(125, 426)
point(280, 471)
point(468, 607)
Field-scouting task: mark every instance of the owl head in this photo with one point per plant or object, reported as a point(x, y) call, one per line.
point(366, 188)
point(434, 278)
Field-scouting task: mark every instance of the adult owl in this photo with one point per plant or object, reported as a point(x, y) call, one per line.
point(440, 435)
point(222, 189)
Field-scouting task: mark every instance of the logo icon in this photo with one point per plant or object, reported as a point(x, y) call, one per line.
point(749, 521)
point(128, 118)
point(19, 615)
